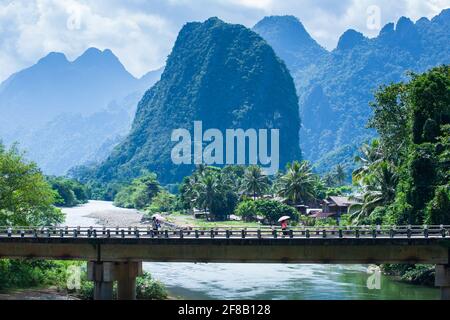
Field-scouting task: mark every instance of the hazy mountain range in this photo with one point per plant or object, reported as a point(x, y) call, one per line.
point(335, 88)
point(67, 113)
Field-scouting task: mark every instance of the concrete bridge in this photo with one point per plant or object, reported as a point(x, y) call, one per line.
point(117, 254)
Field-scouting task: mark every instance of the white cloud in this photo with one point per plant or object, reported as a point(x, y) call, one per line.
point(141, 33)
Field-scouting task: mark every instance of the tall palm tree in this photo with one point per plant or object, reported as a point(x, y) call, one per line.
point(370, 156)
point(340, 175)
point(210, 190)
point(254, 182)
point(378, 189)
point(297, 185)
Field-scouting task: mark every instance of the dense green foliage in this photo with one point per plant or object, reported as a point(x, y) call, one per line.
point(417, 274)
point(139, 194)
point(269, 210)
point(163, 202)
point(297, 184)
point(25, 274)
point(335, 87)
point(224, 75)
point(404, 177)
point(70, 192)
point(254, 183)
point(26, 198)
point(213, 190)
point(227, 190)
point(149, 289)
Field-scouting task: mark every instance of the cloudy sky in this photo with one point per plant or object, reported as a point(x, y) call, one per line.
point(142, 32)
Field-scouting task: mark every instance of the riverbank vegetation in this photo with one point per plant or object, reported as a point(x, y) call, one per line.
point(404, 175)
point(28, 198)
point(69, 192)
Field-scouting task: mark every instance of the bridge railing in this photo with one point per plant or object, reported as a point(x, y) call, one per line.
point(263, 232)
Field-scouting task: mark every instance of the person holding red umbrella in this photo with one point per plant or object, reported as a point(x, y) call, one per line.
point(284, 224)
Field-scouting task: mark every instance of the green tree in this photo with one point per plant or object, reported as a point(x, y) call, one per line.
point(340, 175)
point(26, 198)
point(254, 183)
point(377, 190)
point(274, 210)
point(438, 209)
point(247, 210)
point(140, 193)
point(163, 202)
point(297, 184)
point(412, 120)
point(69, 192)
point(390, 118)
point(370, 156)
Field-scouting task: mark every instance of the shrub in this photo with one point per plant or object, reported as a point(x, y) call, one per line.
point(274, 210)
point(139, 194)
point(149, 289)
point(163, 202)
point(269, 209)
point(247, 210)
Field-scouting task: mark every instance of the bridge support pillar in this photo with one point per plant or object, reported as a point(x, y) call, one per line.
point(443, 280)
point(102, 274)
point(126, 279)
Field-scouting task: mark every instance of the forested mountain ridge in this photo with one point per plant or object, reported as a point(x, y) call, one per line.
point(335, 88)
point(224, 75)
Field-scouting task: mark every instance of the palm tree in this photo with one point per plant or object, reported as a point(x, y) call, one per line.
point(329, 180)
point(206, 192)
point(297, 185)
point(254, 182)
point(340, 175)
point(210, 190)
point(378, 189)
point(371, 155)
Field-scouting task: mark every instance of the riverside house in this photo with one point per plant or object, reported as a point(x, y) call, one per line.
point(336, 206)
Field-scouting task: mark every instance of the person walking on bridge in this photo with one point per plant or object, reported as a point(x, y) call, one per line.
point(284, 224)
point(156, 224)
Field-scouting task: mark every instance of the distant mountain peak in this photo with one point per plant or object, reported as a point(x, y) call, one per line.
point(217, 73)
point(350, 39)
point(443, 17)
point(213, 20)
point(54, 58)
point(95, 56)
point(388, 29)
point(291, 41)
point(404, 25)
point(422, 22)
point(285, 24)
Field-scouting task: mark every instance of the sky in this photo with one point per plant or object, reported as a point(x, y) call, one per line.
point(142, 32)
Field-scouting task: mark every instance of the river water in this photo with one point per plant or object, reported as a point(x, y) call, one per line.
point(263, 281)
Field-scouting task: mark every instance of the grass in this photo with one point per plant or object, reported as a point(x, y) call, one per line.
point(183, 219)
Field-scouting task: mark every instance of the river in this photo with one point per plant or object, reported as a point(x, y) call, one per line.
point(262, 281)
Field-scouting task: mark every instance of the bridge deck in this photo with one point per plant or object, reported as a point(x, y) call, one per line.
point(355, 232)
point(298, 245)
